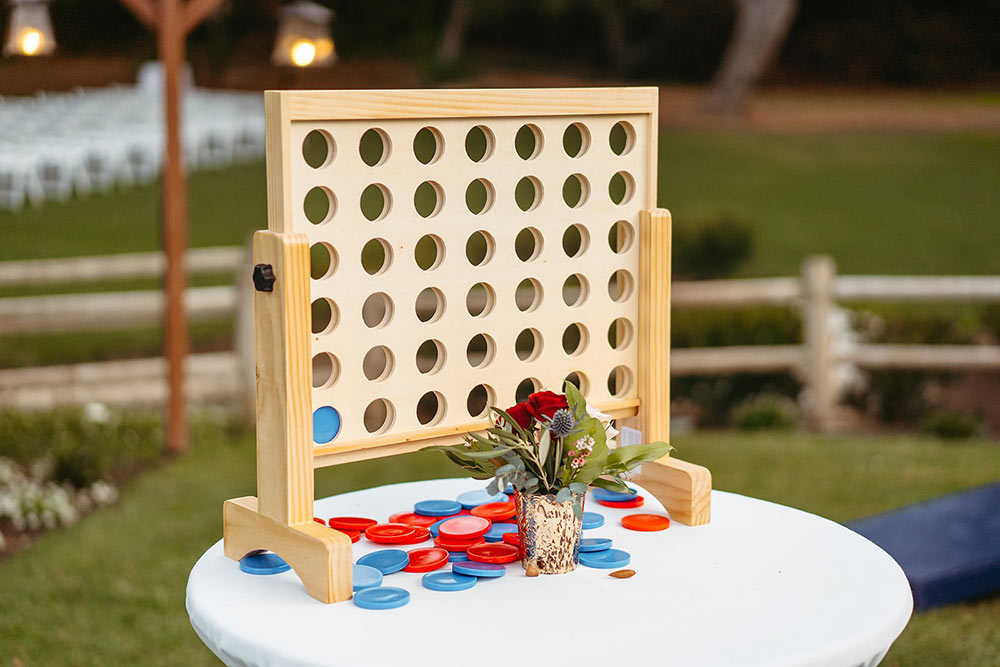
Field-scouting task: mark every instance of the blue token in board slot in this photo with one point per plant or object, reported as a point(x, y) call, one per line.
point(607, 559)
point(475, 569)
point(366, 576)
point(496, 531)
point(381, 597)
point(592, 520)
point(326, 424)
point(264, 563)
point(614, 496)
point(471, 499)
point(437, 508)
point(457, 557)
point(386, 561)
point(592, 544)
point(447, 581)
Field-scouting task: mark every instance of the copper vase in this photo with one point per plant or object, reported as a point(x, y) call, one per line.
point(550, 532)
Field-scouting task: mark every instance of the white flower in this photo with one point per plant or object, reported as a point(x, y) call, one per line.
point(606, 420)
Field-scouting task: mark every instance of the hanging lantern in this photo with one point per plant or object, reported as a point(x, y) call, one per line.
point(29, 31)
point(304, 36)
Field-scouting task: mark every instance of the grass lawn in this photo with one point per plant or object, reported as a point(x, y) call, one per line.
point(110, 590)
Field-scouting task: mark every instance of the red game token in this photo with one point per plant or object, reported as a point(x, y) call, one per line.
point(623, 504)
point(390, 533)
point(351, 523)
point(464, 527)
point(426, 560)
point(494, 511)
point(494, 552)
point(355, 535)
point(318, 520)
point(645, 522)
point(458, 545)
point(512, 538)
point(414, 519)
point(420, 534)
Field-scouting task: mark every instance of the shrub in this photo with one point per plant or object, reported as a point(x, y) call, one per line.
point(712, 250)
point(951, 425)
point(771, 411)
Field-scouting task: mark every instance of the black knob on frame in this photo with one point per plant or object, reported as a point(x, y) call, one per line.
point(263, 278)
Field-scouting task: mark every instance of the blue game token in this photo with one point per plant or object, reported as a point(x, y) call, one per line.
point(264, 563)
point(326, 424)
point(437, 508)
point(614, 496)
point(447, 581)
point(386, 561)
point(471, 499)
point(476, 569)
point(382, 597)
point(457, 557)
point(509, 490)
point(607, 559)
point(366, 576)
point(592, 544)
point(592, 520)
point(496, 531)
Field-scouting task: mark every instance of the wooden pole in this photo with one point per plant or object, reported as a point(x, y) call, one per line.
point(818, 277)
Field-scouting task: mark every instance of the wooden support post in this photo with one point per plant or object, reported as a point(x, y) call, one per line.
point(817, 306)
point(243, 334)
point(683, 488)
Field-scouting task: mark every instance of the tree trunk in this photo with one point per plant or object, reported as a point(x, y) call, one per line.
point(453, 37)
point(761, 27)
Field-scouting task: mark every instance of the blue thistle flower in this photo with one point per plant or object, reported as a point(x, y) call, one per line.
point(561, 423)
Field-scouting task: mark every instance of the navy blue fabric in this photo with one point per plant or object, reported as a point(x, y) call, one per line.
point(949, 547)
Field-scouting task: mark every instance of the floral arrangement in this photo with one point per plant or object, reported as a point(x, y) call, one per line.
point(551, 444)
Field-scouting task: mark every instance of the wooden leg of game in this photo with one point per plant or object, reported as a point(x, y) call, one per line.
point(320, 556)
point(685, 489)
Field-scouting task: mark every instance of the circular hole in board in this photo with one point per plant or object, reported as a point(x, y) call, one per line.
point(480, 300)
point(325, 370)
point(575, 241)
point(479, 248)
point(574, 339)
point(575, 290)
point(430, 356)
point(480, 350)
point(620, 334)
point(576, 190)
point(621, 138)
point(378, 363)
point(430, 304)
point(620, 237)
point(429, 252)
point(374, 147)
point(325, 316)
point(620, 285)
point(528, 244)
point(528, 193)
point(379, 416)
point(621, 187)
point(319, 205)
point(579, 380)
point(376, 256)
point(528, 295)
point(326, 424)
point(528, 344)
point(431, 408)
point(525, 388)
point(376, 312)
point(479, 143)
point(428, 144)
point(428, 199)
point(576, 139)
point(318, 149)
point(528, 141)
point(375, 202)
point(619, 381)
point(479, 196)
point(322, 260)
point(480, 399)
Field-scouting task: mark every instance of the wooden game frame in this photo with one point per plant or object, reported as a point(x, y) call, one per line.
point(280, 517)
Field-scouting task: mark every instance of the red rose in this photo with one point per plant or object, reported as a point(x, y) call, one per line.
point(540, 406)
point(519, 413)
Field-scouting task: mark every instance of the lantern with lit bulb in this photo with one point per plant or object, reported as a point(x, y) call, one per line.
point(29, 31)
point(304, 36)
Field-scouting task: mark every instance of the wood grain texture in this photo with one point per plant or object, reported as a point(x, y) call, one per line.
point(467, 103)
point(284, 409)
point(320, 555)
point(685, 489)
point(654, 324)
point(278, 158)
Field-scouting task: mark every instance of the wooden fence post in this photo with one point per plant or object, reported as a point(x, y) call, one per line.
point(817, 306)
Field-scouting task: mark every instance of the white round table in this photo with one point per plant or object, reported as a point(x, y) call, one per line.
point(763, 584)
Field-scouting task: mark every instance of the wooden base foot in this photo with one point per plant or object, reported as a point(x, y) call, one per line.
point(320, 556)
point(685, 489)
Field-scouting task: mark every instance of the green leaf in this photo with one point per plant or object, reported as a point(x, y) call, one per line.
point(513, 424)
point(631, 456)
point(493, 488)
point(577, 403)
point(543, 445)
point(578, 487)
point(595, 462)
point(611, 484)
point(564, 495)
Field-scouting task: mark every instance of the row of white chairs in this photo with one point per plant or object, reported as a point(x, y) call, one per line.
point(53, 145)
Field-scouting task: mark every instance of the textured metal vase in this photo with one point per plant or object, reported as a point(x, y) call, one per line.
point(550, 532)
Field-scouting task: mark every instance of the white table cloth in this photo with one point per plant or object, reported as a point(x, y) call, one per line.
point(762, 584)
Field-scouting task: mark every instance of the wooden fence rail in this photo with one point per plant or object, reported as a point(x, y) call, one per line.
point(229, 375)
